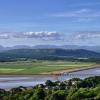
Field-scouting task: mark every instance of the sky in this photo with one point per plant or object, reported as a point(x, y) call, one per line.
point(53, 22)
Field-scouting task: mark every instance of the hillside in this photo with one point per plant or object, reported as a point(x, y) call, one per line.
point(48, 53)
point(91, 48)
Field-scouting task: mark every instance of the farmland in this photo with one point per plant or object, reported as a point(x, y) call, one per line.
point(39, 67)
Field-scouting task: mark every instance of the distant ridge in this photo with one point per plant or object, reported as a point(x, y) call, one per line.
point(48, 53)
point(91, 48)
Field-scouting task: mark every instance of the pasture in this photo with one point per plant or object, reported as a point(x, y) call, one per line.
point(39, 67)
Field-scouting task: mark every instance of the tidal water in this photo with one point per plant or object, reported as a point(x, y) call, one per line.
point(8, 82)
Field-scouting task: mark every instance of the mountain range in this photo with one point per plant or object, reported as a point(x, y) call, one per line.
point(91, 48)
point(47, 54)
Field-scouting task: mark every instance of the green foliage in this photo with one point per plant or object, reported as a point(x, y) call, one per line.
point(39, 94)
point(82, 94)
point(49, 83)
point(70, 93)
point(90, 82)
point(58, 95)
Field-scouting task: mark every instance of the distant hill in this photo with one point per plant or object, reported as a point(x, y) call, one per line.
point(48, 53)
point(91, 48)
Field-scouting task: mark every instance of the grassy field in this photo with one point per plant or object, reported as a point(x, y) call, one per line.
point(38, 67)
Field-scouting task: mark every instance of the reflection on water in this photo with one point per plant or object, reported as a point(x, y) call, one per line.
point(7, 82)
point(13, 84)
point(80, 74)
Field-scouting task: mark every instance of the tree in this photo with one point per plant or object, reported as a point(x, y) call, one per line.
point(49, 83)
point(39, 94)
point(58, 95)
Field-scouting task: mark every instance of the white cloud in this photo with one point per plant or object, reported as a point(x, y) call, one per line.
point(4, 36)
point(76, 37)
point(43, 35)
point(33, 35)
point(81, 13)
point(86, 36)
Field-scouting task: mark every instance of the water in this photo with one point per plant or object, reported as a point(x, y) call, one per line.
point(80, 74)
point(8, 82)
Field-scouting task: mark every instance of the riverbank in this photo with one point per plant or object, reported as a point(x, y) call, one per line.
point(12, 81)
point(53, 73)
point(70, 70)
point(37, 68)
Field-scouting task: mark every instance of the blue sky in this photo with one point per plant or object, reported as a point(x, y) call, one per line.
point(56, 16)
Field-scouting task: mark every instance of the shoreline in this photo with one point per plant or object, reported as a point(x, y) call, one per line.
point(53, 73)
point(70, 70)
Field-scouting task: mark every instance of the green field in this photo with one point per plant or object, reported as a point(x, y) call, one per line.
point(38, 67)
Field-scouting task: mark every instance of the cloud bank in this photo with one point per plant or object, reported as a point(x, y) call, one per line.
point(86, 35)
point(73, 38)
point(32, 35)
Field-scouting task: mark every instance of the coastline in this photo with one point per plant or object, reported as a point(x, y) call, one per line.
point(53, 73)
point(70, 70)
point(9, 81)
